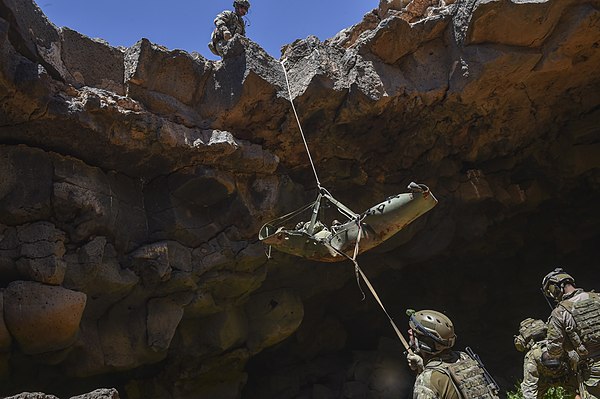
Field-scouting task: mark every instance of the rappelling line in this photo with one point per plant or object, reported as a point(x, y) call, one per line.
point(374, 293)
point(357, 218)
point(396, 329)
point(299, 126)
point(359, 271)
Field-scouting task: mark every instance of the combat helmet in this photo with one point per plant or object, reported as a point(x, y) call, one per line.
point(241, 3)
point(553, 283)
point(530, 331)
point(433, 330)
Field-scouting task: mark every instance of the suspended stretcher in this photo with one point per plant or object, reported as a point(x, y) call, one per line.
point(359, 233)
point(337, 242)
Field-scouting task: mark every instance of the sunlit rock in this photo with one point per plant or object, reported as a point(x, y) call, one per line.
point(42, 318)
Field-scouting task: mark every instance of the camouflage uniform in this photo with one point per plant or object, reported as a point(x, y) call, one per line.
point(226, 21)
point(565, 335)
point(436, 381)
point(419, 9)
point(432, 382)
point(539, 377)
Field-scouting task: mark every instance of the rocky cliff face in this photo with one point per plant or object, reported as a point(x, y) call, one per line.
point(134, 182)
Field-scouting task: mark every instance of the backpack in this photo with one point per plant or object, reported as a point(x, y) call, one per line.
point(532, 330)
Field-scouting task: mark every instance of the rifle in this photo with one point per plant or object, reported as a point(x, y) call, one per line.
point(488, 377)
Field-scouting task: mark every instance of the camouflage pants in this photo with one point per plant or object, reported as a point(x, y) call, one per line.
point(538, 390)
point(220, 46)
point(217, 43)
point(536, 382)
point(217, 47)
point(591, 380)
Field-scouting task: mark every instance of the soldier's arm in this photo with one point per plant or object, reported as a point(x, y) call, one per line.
point(423, 392)
point(556, 334)
point(425, 387)
point(221, 20)
point(415, 362)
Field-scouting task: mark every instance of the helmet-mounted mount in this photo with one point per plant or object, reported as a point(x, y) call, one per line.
point(554, 282)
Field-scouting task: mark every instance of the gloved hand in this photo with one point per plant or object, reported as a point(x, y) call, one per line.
point(545, 355)
point(226, 35)
point(573, 359)
point(549, 361)
point(415, 362)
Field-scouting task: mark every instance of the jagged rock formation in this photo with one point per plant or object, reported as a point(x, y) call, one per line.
point(96, 394)
point(133, 187)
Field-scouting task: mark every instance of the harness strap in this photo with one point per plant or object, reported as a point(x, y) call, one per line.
point(315, 213)
point(282, 219)
point(343, 209)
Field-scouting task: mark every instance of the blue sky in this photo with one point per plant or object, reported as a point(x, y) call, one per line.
point(187, 24)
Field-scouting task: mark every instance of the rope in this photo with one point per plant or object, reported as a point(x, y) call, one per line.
point(396, 329)
point(357, 268)
point(355, 254)
point(280, 221)
point(358, 272)
point(299, 126)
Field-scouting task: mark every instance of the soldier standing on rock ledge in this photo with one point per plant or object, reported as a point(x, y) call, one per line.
point(416, 10)
point(228, 24)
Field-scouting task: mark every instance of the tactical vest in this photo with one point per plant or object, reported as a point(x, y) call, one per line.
point(586, 314)
point(234, 24)
point(468, 377)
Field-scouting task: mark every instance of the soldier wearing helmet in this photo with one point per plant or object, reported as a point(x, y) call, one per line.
point(416, 10)
point(227, 25)
point(442, 372)
point(574, 329)
point(540, 373)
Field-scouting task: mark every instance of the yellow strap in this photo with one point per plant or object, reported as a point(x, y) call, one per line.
point(359, 271)
point(396, 329)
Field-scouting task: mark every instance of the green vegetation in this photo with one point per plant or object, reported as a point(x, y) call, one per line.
point(516, 394)
point(553, 393)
